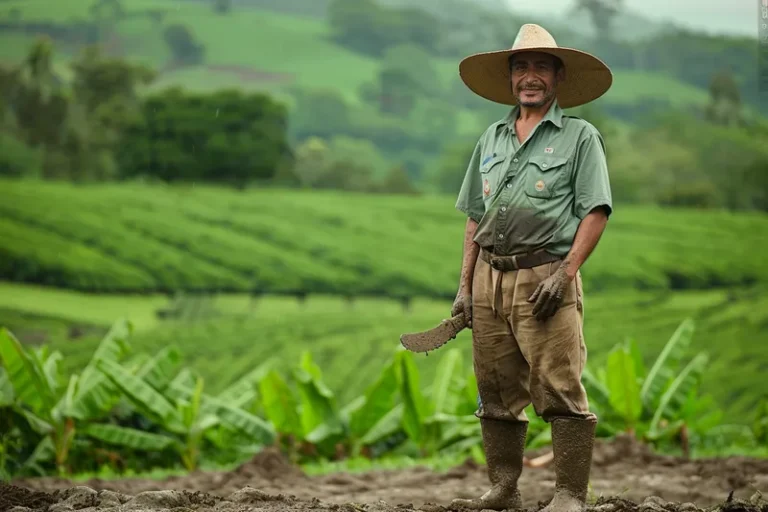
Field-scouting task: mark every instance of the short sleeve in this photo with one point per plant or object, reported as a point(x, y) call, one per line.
point(470, 200)
point(592, 186)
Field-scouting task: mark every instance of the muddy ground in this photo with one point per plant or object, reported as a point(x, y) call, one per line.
point(625, 476)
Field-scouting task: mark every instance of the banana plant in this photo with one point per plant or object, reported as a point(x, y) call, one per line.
point(653, 404)
point(183, 411)
point(440, 419)
point(52, 411)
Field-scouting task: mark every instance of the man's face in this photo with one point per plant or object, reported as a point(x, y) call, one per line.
point(534, 78)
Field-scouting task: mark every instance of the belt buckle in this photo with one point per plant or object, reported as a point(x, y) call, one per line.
point(495, 264)
point(515, 265)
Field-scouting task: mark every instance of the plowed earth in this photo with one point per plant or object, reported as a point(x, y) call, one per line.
point(626, 476)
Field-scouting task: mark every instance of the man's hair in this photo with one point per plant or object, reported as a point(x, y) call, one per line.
point(558, 63)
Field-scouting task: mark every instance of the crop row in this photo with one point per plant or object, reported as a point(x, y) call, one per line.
point(264, 241)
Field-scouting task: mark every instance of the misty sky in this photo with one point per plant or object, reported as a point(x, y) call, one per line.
point(738, 17)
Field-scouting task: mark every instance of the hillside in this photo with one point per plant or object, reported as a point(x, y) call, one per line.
point(140, 238)
point(235, 51)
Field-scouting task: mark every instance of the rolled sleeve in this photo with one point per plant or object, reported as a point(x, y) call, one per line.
point(470, 199)
point(592, 187)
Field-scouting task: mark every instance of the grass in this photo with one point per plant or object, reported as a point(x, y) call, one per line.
point(81, 308)
point(148, 239)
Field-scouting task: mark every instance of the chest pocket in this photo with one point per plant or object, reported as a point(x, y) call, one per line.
point(491, 171)
point(544, 174)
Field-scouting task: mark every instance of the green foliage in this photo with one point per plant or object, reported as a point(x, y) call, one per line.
point(229, 137)
point(33, 391)
point(367, 27)
point(203, 238)
point(17, 159)
point(148, 405)
point(185, 49)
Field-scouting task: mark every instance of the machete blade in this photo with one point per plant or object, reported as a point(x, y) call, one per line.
point(434, 338)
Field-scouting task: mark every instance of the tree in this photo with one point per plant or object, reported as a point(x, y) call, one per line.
point(724, 105)
point(227, 137)
point(184, 48)
point(602, 13)
point(222, 6)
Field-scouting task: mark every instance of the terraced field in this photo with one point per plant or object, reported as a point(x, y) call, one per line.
point(141, 238)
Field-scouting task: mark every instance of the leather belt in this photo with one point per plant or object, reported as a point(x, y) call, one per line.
point(517, 261)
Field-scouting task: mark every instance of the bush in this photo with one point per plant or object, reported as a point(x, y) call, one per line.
point(17, 159)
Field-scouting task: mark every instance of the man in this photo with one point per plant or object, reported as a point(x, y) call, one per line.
point(537, 197)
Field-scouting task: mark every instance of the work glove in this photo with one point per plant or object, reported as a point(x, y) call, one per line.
point(463, 304)
point(549, 295)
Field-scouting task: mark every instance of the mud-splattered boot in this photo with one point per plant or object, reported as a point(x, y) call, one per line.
point(504, 443)
point(572, 443)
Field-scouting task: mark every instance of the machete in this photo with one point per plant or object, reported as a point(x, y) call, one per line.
point(436, 337)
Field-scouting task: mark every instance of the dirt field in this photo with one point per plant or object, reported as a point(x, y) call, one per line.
point(625, 476)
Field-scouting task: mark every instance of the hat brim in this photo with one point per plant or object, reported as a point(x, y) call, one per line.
point(586, 77)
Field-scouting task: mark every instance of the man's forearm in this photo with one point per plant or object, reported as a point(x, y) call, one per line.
point(470, 252)
point(590, 230)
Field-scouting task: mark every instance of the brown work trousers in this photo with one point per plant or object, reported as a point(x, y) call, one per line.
point(519, 360)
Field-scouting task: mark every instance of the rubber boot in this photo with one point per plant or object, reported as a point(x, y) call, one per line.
point(504, 444)
point(572, 443)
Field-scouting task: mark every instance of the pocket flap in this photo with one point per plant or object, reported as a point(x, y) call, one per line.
point(546, 163)
point(489, 161)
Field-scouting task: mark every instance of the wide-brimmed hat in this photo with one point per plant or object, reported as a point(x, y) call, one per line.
point(488, 75)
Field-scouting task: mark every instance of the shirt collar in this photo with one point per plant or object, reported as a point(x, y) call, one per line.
point(554, 115)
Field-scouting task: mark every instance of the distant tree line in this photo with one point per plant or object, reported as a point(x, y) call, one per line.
point(100, 127)
point(104, 126)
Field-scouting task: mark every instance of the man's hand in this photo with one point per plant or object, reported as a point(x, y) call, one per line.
point(550, 293)
point(463, 304)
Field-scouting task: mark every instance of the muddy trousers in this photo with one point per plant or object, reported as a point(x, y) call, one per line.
point(517, 359)
point(520, 361)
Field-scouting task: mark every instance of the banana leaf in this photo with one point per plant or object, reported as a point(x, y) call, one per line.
point(667, 364)
point(95, 394)
point(255, 428)
point(7, 396)
point(129, 437)
point(44, 452)
point(320, 419)
point(446, 386)
point(415, 408)
point(158, 370)
point(144, 397)
point(26, 375)
point(679, 386)
point(379, 399)
point(388, 425)
point(623, 385)
point(244, 390)
point(280, 404)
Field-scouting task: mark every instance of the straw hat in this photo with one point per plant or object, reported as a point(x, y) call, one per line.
point(487, 74)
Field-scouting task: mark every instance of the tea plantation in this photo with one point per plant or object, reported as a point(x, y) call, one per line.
point(142, 238)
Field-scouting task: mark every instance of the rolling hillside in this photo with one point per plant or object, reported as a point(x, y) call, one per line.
point(241, 51)
point(142, 238)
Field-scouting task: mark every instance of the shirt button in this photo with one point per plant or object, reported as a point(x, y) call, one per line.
point(501, 236)
point(509, 185)
point(503, 208)
point(543, 165)
point(515, 160)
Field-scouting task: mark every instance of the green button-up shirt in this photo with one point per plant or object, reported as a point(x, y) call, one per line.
point(533, 196)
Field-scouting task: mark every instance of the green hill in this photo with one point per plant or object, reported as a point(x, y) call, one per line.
point(143, 238)
point(262, 49)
